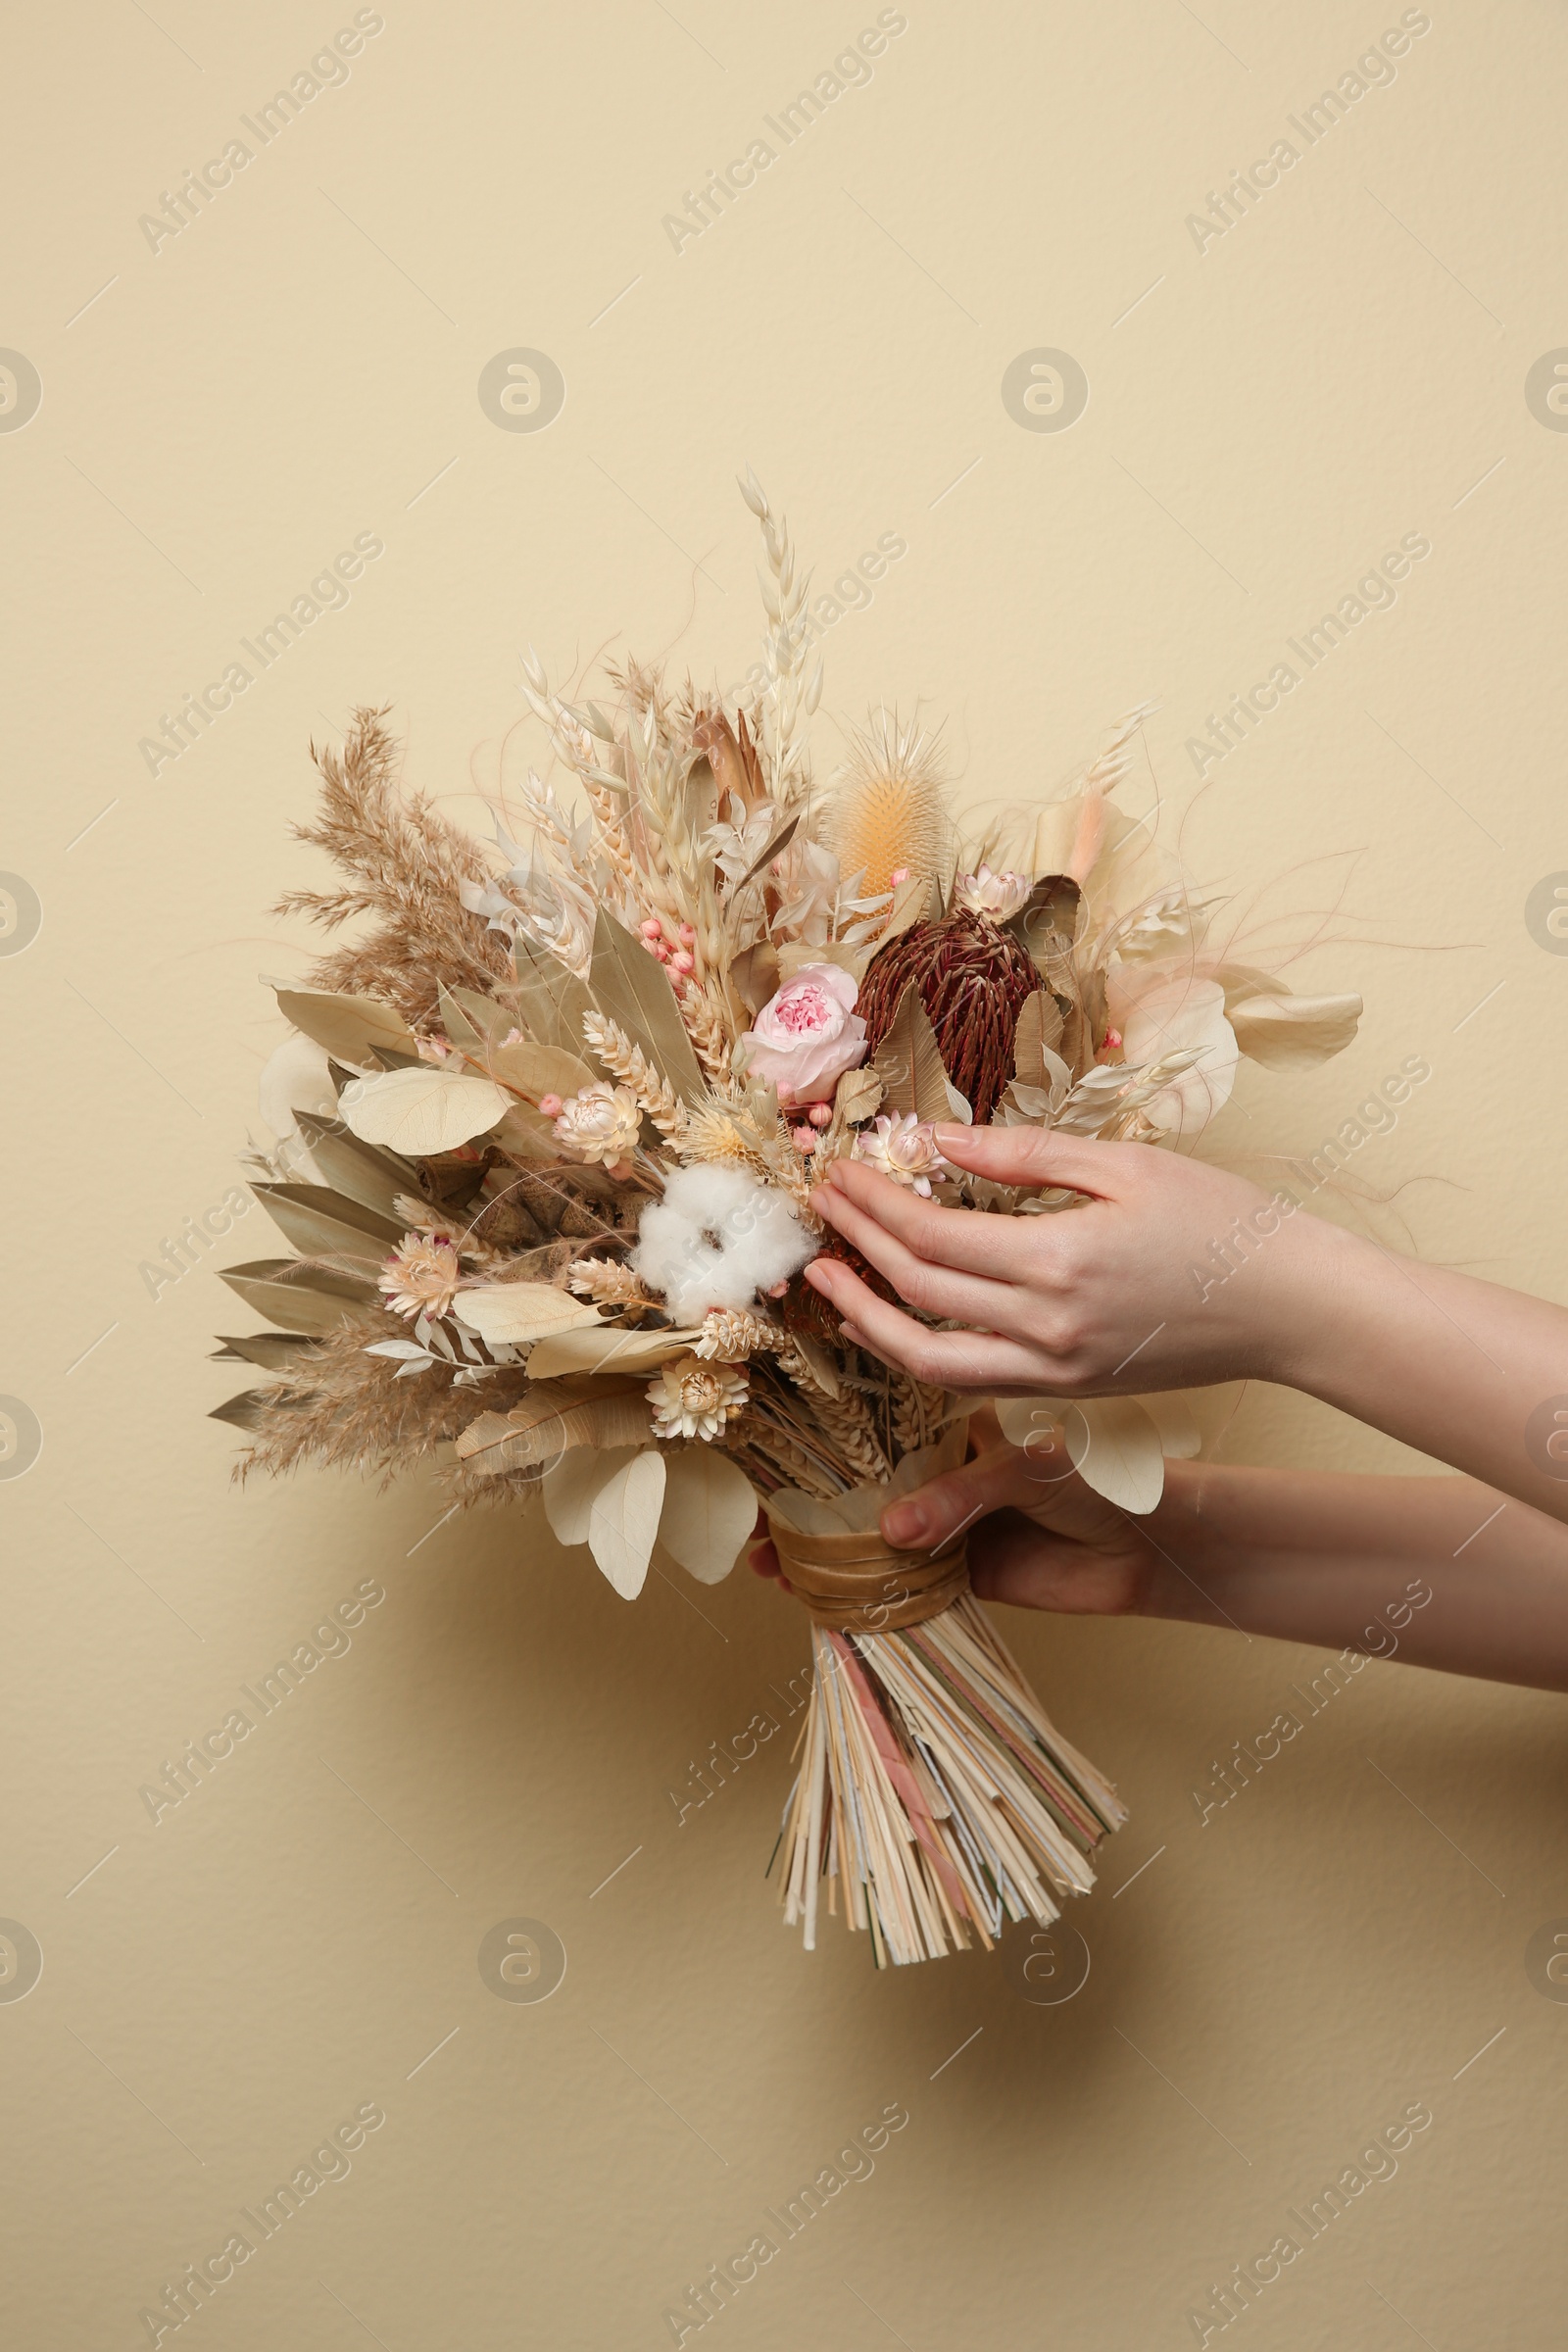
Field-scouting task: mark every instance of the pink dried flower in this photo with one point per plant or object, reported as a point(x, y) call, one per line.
point(420, 1277)
point(906, 1150)
point(808, 1035)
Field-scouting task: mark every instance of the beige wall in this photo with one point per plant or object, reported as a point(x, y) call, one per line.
point(1346, 365)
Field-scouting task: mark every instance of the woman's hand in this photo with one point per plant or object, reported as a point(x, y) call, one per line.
point(1134, 1281)
point(1174, 1274)
point(1039, 1537)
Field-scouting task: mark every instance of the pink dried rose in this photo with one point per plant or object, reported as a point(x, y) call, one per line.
point(808, 1035)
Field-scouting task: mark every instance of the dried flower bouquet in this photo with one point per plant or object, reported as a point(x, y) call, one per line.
point(546, 1134)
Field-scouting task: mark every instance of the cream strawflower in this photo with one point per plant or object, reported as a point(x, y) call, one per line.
point(602, 1123)
point(694, 1399)
point(906, 1150)
point(995, 896)
point(420, 1277)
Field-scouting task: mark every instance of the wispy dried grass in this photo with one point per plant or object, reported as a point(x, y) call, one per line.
point(346, 1410)
point(405, 860)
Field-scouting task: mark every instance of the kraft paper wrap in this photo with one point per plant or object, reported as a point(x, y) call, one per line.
point(854, 1583)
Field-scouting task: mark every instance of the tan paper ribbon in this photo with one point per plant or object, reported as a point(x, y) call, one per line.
point(855, 1583)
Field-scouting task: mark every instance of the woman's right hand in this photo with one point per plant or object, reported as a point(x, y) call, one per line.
point(1039, 1537)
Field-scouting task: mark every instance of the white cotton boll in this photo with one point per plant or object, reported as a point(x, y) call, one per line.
point(718, 1238)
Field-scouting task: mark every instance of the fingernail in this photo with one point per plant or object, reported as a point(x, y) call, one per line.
point(903, 1523)
point(951, 1135)
point(817, 1275)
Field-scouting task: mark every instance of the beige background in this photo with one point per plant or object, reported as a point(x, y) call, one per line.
point(1346, 365)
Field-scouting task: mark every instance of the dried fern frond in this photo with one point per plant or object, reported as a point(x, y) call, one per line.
point(888, 813)
point(405, 862)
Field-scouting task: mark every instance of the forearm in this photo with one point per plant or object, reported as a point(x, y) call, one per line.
point(1437, 1572)
point(1460, 1369)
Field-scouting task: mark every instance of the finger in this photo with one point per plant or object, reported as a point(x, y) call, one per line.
point(985, 1431)
point(944, 1359)
point(1010, 1561)
point(931, 1287)
point(1038, 1155)
point(936, 1512)
point(970, 1241)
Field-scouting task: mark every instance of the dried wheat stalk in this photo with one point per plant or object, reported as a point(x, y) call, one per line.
point(630, 1064)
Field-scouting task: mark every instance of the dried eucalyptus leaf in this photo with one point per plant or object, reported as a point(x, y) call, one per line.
point(709, 1510)
point(423, 1111)
point(358, 1171)
point(532, 1070)
point(1114, 1447)
point(316, 1222)
point(552, 1000)
point(630, 989)
point(515, 1312)
point(352, 1029)
point(623, 1521)
point(244, 1411)
point(910, 1063)
point(315, 1300)
point(610, 1349)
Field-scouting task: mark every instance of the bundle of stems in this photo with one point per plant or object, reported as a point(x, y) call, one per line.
point(934, 1788)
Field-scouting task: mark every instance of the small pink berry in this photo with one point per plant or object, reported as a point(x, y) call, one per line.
point(687, 934)
point(807, 1138)
point(550, 1105)
point(1112, 1039)
point(682, 962)
point(661, 950)
point(777, 1289)
point(900, 873)
point(820, 1114)
point(653, 928)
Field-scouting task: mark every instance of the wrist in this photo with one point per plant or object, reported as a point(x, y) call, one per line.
point(1311, 1287)
point(1186, 1556)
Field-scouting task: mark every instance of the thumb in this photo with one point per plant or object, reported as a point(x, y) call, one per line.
point(944, 1505)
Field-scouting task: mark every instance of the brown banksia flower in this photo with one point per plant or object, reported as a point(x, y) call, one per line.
point(974, 979)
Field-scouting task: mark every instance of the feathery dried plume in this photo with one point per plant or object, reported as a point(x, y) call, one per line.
point(348, 1410)
point(406, 862)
